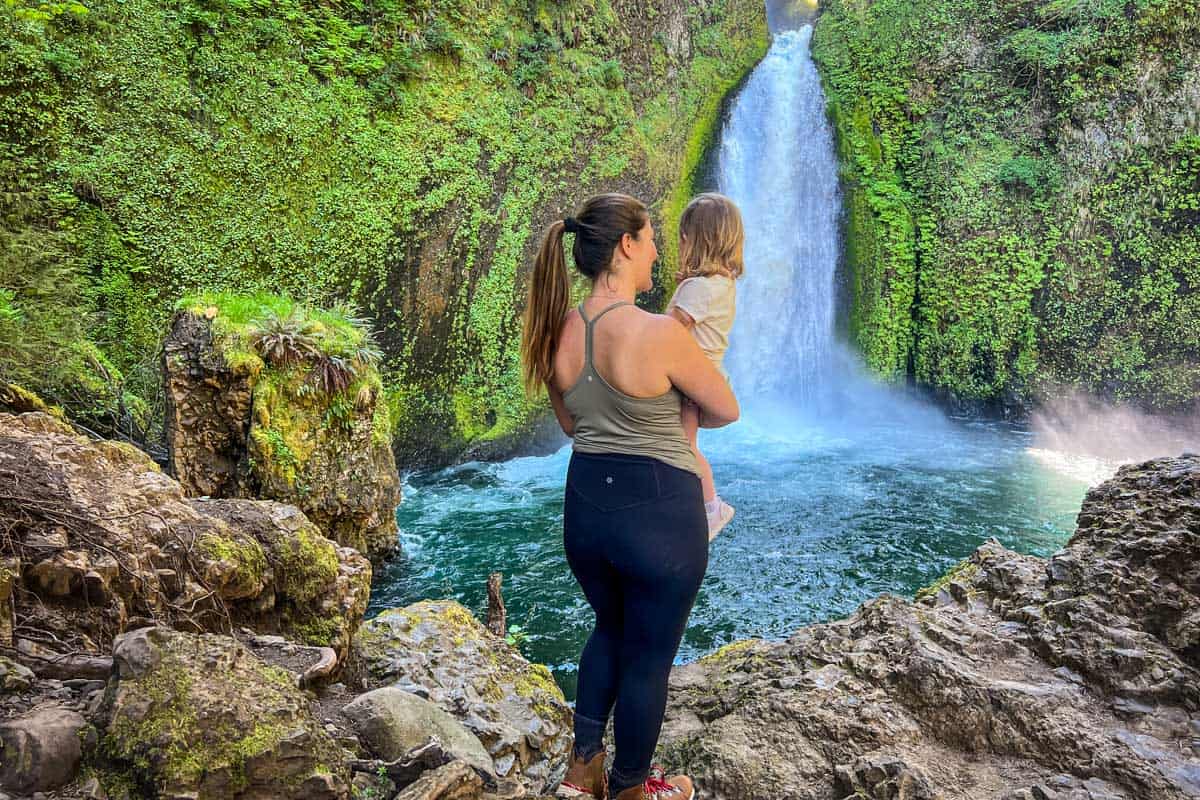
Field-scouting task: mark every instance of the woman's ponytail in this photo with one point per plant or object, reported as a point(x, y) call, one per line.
point(548, 302)
point(598, 227)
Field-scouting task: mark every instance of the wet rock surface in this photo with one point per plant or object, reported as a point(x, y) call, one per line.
point(1014, 677)
point(438, 650)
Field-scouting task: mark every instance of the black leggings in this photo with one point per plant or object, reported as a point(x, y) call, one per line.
point(636, 538)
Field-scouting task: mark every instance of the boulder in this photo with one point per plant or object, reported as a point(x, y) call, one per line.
point(454, 781)
point(1016, 677)
point(14, 677)
point(103, 541)
point(41, 750)
point(239, 425)
point(391, 722)
point(438, 650)
point(198, 715)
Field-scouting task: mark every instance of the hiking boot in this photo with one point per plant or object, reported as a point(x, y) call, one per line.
point(719, 519)
point(585, 778)
point(678, 787)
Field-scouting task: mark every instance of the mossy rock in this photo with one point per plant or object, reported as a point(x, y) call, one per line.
point(514, 707)
point(199, 714)
point(275, 399)
point(15, 399)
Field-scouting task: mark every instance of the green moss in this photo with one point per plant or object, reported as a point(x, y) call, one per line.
point(1020, 196)
point(732, 649)
point(246, 554)
point(18, 400)
point(306, 564)
point(537, 683)
point(961, 572)
point(405, 159)
point(236, 318)
point(173, 743)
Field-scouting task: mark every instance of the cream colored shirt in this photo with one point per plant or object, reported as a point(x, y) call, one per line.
point(711, 301)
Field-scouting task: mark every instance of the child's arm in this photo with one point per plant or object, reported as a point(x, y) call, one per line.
point(684, 317)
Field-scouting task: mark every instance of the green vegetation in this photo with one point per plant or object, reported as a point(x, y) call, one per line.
point(1022, 191)
point(963, 572)
point(313, 373)
point(401, 156)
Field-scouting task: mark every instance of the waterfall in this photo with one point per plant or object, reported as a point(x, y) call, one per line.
point(777, 162)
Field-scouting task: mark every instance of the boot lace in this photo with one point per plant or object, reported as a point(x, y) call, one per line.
point(656, 787)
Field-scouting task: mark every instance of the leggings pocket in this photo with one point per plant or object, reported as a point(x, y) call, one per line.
point(613, 484)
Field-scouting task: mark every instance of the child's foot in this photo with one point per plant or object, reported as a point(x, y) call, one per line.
point(719, 514)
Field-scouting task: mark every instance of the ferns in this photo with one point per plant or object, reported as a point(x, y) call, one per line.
point(285, 339)
point(336, 354)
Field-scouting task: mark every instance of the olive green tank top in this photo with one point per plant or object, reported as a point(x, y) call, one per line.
point(609, 421)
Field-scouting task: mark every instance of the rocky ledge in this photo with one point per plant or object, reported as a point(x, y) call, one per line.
point(97, 541)
point(1013, 678)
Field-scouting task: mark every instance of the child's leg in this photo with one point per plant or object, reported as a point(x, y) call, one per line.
point(691, 426)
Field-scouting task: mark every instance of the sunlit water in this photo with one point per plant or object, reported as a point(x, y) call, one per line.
point(844, 489)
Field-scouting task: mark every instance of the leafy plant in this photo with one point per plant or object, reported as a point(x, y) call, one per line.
point(285, 339)
point(516, 636)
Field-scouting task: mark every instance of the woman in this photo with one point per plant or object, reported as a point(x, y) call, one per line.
point(634, 526)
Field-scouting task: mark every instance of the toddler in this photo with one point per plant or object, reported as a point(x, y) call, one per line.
point(710, 261)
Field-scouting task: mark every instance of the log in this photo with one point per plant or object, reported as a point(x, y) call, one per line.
point(497, 615)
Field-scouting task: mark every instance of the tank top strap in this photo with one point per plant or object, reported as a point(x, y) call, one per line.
point(589, 324)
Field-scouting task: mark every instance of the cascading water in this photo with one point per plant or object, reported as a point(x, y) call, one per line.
point(844, 488)
point(777, 163)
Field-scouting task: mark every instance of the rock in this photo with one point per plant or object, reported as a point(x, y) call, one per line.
point(883, 777)
point(14, 677)
point(137, 552)
point(391, 722)
point(261, 432)
point(92, 790)
point(199, 715)
point(1072, 677)
point(454, 781)
point(438, 649)
point(41, 750)
point(319, 590)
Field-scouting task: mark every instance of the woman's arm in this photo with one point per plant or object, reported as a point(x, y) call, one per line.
point(565, 420)
point(693, 374)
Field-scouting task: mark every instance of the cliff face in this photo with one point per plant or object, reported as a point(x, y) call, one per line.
point(1022, 184)
point(1012, 678)
point(403, 155)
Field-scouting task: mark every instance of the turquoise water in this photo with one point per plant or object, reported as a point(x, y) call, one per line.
point(828, 515)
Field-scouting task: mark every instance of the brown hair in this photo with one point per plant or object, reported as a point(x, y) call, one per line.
point(711, 238)
point(598, 227)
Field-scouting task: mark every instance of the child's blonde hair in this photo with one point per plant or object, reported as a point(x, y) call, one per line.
point(711, 238)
